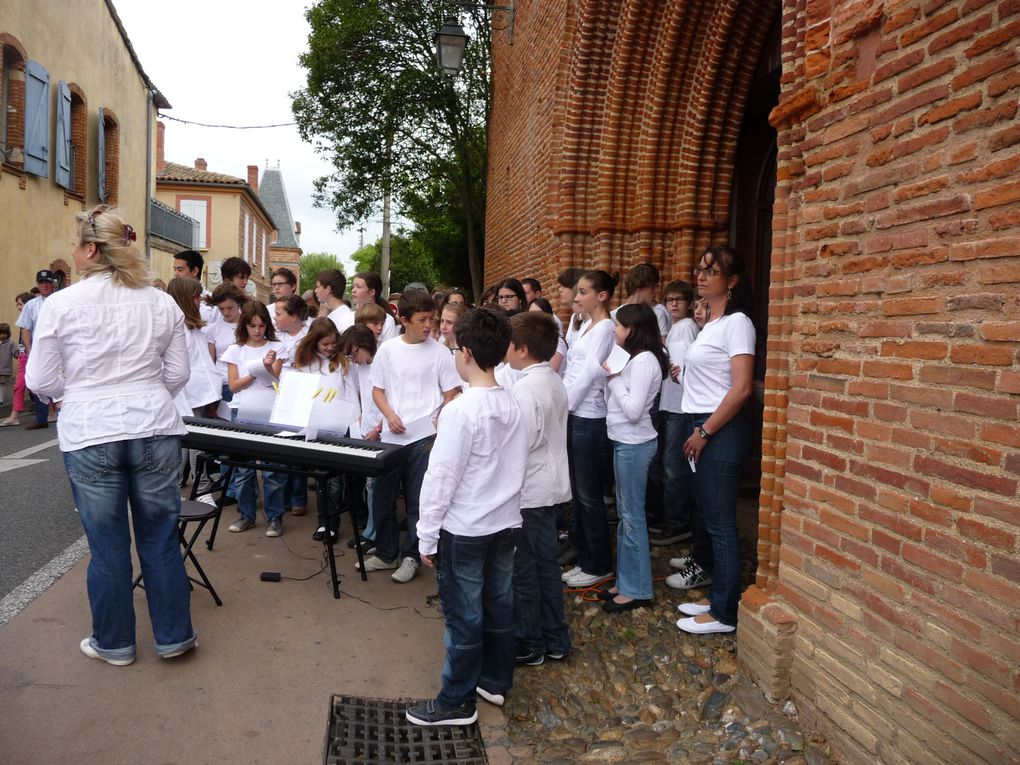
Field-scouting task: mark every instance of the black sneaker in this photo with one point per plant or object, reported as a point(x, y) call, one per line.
point(529, 659)
point(430, 713)
point(669, 535)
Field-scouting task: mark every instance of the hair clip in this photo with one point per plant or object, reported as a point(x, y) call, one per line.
point(129, 234)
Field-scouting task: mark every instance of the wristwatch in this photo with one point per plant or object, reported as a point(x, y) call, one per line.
point(704, 433)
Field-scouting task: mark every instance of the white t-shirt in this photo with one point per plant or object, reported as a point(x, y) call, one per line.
point(708, 376)
point(631, 395)
point(245, 357)
point(678, 341)
point(661, 316)
point(289, 343)
point(390, 329)
point(476, 468)
point(204, 386)
point(585, 378)
point(222, 335)
point(371, 417)
point(414, 376)
point(342, 317)
point(543, 400)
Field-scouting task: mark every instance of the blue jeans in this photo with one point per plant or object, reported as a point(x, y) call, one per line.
point(716, 490)
point(474, 576)
point(295, 490)
point(384, 502)
point(586, 444)
point(538, 591)
point(40, 409)
point(633, 559)
point(104, 478)
point(246, 489)
point(678, 503)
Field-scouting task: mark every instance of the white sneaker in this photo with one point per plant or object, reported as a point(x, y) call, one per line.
point(581, 579)
point(86, 648)
point(703, 628)
point(682, 562)
point(404, 574)
point(375, 563)
point(492, 698)
point(694, 609)
point(572, 572)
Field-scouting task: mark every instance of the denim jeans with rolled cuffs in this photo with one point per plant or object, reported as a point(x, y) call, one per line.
point(410, 473)
point(246, 489)
point(474, 576)
point(716, 490)
point(678, 500)
point(104, 478)
point(586, 443)
point(633, 558)
point(538, 590)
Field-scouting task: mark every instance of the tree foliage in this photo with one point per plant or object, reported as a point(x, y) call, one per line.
point(410, 261)
point(313, 263)
point(378, 108)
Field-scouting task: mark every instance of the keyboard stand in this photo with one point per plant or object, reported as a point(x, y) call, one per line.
point(321, 498)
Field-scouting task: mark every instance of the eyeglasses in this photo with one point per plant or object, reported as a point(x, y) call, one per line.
point(675, 299)
point(710, 272)
point(352, 353)
point(505, 298)
point(279, 284)
point(454, 348)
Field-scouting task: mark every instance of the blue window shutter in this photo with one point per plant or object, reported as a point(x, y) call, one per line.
point(63, 169)
point(101, 157)
point(37, 119)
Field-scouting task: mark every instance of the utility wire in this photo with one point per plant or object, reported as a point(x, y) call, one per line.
point(229, 127)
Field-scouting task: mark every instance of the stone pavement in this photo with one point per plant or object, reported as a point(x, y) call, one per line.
point(258, 687)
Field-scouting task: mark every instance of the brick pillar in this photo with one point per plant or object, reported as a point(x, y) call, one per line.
point(253, 177)
point(765, 635)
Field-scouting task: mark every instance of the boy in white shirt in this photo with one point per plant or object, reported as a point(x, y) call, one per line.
point(413, 377)
point(330, 286)
point(470, 513)
point(538, 591)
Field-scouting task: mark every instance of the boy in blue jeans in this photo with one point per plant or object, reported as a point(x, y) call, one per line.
point(467, 527)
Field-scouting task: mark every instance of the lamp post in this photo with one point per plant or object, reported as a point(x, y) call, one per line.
point(451, 39)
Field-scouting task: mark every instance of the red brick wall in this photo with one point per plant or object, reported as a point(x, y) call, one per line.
point(895, 331)
point(888, 579)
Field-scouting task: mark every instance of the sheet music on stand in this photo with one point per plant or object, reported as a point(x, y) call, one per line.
point(309, 405)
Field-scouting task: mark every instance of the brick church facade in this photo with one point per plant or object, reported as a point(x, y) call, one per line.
point(864, 156)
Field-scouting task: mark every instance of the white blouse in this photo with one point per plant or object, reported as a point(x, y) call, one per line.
point(116, 356)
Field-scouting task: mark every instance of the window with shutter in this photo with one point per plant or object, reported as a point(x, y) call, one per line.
point(109, 156)
point(12, 103)
point(37, 119)
point(199, 210)
point(63, 169)
point(101, 157)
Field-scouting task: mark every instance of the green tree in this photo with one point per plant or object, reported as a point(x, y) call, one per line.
point(313, 263)
point(410, 261)
point(377, 106)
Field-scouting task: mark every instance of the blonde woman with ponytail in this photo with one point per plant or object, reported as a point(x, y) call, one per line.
point(112, 349)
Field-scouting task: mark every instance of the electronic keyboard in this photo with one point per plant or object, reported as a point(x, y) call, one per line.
point(265, 442)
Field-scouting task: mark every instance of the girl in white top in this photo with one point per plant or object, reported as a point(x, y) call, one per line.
point(358, 345)
point(119, 431)
point(223, 333)
point(717, 378)
point(291, 322)
point(556, 362)
point(253, 365)
point(203, 386)
point(367, 287)
point(632, 394)
point(585, 381)
point(319, 353)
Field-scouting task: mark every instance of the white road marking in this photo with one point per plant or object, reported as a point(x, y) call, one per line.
point(39, 582)
point(7, 463)
point(31, 450)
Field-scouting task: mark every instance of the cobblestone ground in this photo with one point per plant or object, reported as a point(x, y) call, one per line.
point(636, 689)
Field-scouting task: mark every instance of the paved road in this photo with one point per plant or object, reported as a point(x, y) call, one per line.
point(36, 509)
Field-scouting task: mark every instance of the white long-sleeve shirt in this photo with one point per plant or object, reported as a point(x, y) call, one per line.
point(473, 483)
point(631, 395)
point(116, 357)
point(585, 379)
point(543, 400)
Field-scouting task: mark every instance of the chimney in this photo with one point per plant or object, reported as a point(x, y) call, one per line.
point(200, 164)
point(160, 160)
point(253, 177)
point(297, 231)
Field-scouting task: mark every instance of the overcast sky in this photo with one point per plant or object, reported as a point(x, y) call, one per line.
point(234, 63)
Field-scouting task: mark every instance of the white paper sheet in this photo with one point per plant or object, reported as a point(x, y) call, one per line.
point(292, 408)
point(333, 417)
point(255, 406)
point(413, 431)
point(258, 370)
point(225, 411)
point(617, 360)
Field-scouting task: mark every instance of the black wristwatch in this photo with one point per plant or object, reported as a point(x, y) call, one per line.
point(704, 433)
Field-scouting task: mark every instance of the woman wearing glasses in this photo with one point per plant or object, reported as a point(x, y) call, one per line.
point(510, 295)
point(717, 378)
point(119, 431)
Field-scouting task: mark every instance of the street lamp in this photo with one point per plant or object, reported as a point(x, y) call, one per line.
point(450, 43)
point(451, 39)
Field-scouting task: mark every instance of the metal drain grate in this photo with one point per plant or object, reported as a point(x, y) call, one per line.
point(375, 732)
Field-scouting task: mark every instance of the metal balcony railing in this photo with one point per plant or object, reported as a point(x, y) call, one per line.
point(171, 225)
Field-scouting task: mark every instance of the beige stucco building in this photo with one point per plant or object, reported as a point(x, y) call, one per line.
point(76, 129)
